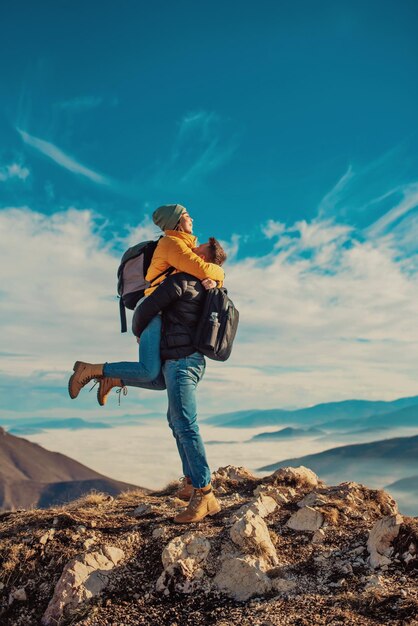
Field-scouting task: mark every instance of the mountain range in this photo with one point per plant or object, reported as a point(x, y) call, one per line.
point(320, 414)
point(33, 476)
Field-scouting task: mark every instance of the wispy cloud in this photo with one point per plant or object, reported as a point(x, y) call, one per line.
point(199, 148)
point(61, 158)
point(14, 170)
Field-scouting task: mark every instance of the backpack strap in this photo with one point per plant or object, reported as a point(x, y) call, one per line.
point(167, 272)
point(122, 311)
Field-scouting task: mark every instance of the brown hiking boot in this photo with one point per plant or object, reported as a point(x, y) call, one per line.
point(83, 374)
point(185, 490)
point(202, 503)
point(105, 387)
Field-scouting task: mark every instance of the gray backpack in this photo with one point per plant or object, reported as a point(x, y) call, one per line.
point(131, 277)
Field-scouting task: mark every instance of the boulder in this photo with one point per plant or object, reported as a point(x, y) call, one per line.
point(82, 578)
point(312, 499)
point(182, 559)
point(272, 492)
point(306, 519)
point(262, 506)
point(295, 476)
point(231, 472)
point(380, 539)
point(242, 578)
point(251, 534)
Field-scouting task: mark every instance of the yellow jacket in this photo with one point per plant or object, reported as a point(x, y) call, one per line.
point(176, 250)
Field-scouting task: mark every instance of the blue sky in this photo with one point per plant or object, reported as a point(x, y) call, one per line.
point(289, 130)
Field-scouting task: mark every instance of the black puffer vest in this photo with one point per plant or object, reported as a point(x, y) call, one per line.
point(180, 298)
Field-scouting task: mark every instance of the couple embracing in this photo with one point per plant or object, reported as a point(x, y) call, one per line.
point(165, 323)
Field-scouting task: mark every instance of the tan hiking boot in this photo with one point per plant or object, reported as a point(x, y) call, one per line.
point(202, 503)
point(83, 374)
point(105, 387)
point(185, 490)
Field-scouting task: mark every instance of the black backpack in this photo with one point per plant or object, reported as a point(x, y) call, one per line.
point(131, 277)
point(217, 327)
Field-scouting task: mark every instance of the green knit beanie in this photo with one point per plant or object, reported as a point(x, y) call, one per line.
point(168, 215)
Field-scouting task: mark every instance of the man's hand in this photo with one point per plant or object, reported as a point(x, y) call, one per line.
point(138, 339)
point(208, 283)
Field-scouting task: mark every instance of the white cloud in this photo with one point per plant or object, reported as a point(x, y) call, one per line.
point(61, 158)
point(338, 322)
point(14, 170)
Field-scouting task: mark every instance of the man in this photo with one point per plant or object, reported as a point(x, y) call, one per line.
point(180, 298)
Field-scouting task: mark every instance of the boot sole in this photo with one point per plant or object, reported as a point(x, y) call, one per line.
point(75, 367)
point(98, 398)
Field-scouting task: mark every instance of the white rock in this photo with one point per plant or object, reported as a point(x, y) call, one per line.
point(82, 578)
point(318, 536)
point(300, 476)
point(1, 586)
point(231, 472)
point(242, 578)
point(306, 519)
point(142, 509)
point(158, 532)
point(47, 536)
point(88, 543)
point(312, 499)
point(262, 506)
point(18, 594)
point(283, 586)
point(182, 559)
point(251, 534)
point(380, 538)
point(374, 582)
point(273, 492)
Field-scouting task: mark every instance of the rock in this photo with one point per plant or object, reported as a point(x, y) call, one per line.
point(306, 519)
point(312, 499)
point(262, 506)
point(82, 579)
point(273, 492)
point(231, 472)
point(18, 594)
point(380, 538)
point(158, 532)
point(47, 536)
point(182, 559)
point(283, 586)
point(242, 578)
point(318, 536)
point(251, 534)
point(142, 509)
point(1, 586)
point(374, 582)
point(295, 476)
point(88, 543)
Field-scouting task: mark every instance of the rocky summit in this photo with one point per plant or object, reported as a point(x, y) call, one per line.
point(285, 549)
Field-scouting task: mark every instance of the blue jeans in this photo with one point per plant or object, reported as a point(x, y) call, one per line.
point(182, 377)
point(148, 367)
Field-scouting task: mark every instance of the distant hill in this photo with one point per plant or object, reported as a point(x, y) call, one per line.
point(405, 484)
point(407, 416)
point(287, 433)
point(34, 426)
point(360, 461)
point(33, 476)
point(318, 414)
